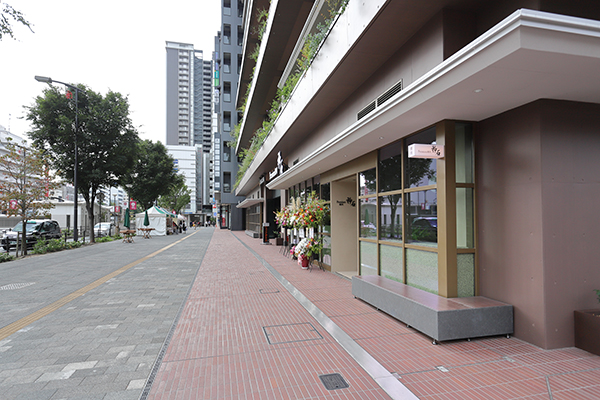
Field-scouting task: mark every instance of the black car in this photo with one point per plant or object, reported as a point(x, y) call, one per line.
point(35, 229)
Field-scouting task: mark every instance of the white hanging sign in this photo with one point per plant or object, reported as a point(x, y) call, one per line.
point(425, 151)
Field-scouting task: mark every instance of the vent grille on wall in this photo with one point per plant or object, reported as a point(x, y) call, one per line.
point(388, 94)
point(362, 113)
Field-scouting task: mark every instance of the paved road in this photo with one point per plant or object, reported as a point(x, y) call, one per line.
point(89, 323)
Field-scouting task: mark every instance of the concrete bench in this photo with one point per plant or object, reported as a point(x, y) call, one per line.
point(253, 234)
point(437, 317)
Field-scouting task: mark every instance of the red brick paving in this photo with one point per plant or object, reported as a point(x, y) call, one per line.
point(220, 350)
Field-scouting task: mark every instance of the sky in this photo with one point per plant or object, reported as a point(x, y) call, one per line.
point(105, 45)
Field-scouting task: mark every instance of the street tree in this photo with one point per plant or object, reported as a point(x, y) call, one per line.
point(8, 16)
point(24, 185)
point(105, 138)
point(152, 174)
point(178, 197)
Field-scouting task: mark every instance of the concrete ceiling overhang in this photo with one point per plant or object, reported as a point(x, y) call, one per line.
point(279, 39)
point(249, 203)
point(528, 56)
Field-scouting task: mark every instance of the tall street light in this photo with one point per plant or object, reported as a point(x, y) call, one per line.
point(49, 81)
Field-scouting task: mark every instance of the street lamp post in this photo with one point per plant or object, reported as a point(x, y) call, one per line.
point(49, 81)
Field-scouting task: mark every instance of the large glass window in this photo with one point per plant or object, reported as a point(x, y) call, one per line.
point(368, 258)
point(390, 209)
point(390, 167)
point(326, 191)
point(421, 171)
point(368, 218)
point(421, 218)
point(368, 180)
point(391, 261)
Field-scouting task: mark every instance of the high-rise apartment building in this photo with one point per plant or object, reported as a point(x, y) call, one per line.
point(189, 109)
point(226, 59)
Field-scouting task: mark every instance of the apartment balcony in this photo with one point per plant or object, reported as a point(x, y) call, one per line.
point(365, 37)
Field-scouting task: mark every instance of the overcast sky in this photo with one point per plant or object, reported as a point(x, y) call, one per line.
point(110, 44)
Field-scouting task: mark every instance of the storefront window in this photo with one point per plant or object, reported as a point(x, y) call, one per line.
point(368, 218)
point(367, 182)
point(390, 209)
point(421, 218)
point(420, 171)
point(391, 261)
point(422, 270)
point(326, 191)
point(465, 224)
point(368, 258)
point(390, 167)
point(464, 152)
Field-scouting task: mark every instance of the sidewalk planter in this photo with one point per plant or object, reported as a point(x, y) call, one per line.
point(587, 330)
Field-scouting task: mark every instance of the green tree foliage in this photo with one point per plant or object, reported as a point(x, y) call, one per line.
point(179, 196)
point(106, 139)
point(152, 175)
point(8, 15)
point(25, 184)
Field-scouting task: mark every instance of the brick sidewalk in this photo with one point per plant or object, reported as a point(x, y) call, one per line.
point(242, 335)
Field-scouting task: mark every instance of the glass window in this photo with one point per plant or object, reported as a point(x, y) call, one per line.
point(420, 171)
point(326, 250)
point(368, 258)
point(464, 152)
point(421, 214)
point(390, 259)
point(465, 224)
point(227, 152)
point(326, 191)
point(390, 209)
point(368, 218)
point(422, 270)
point(390, 167)
point(367, 182)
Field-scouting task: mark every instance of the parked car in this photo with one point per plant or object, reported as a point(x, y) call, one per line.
point(104, 229)
point(35, 229)
point(424, 229)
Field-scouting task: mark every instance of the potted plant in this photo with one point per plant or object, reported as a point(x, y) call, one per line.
point(587, 329)
point(306, 250)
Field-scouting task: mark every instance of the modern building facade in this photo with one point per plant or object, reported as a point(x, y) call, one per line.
point(503, 97)
point(189, 112)
point(185, 163)
point(227, 63)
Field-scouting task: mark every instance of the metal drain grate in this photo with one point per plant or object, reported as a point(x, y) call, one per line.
point(266, 291)
point(14, 286)
point(291, 333)
point(334, 381)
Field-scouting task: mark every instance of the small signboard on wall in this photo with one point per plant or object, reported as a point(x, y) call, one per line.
point(416, 150)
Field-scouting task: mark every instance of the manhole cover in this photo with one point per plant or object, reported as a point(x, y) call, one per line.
point(14, 286)
point(333, 381)
point(291, 333)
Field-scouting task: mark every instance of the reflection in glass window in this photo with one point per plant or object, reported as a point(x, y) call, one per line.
point(421, 218)
point(368, 218)
point(465, 224)
point(367, 182)
point(390, 167)
point(390, 208)
point(326, 191)
point(421, 171)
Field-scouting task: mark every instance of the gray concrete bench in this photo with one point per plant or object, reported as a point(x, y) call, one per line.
point(437, 317)
point(252, 234)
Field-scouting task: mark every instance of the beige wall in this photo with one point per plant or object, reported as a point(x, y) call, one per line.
point(344, 226)
point(537, 182)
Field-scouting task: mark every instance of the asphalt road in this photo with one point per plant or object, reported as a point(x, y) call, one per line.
point(90, 323)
